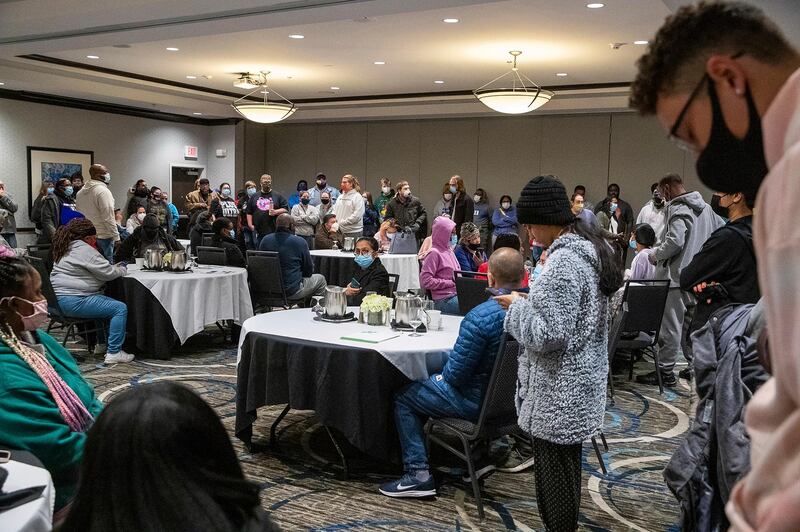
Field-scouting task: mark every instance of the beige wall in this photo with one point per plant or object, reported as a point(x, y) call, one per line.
point(498, 154)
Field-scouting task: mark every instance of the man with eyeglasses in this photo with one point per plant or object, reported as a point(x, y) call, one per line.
point(724, 81)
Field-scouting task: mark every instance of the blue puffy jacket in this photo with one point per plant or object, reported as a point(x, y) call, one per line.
point(466, 374)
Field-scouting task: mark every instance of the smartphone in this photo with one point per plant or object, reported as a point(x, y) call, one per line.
point(354, 283)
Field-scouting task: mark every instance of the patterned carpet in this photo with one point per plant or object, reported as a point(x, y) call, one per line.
point(301, 479)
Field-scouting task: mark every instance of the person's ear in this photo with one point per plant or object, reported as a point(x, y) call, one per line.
point(738, 197)
point(727, 71)
point(490, 278)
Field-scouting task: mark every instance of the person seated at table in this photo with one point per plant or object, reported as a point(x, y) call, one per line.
point(45, 404)
point(149, 235)
point(386, 233)
point(459, 389)
point(438, 267)
point(506, 240)
point(642, 241)
point(370, 276)
point(201, 227)
point(79, 277)
point(222, 229)
point(135, 219)
point(163, 451)
point(328, 233)
point(299, 278)
point(469, 252)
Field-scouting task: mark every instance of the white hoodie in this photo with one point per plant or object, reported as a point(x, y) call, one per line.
point(96, 203)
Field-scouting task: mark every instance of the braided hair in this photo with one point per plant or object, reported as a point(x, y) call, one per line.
point(13, 273)
point(76, 229)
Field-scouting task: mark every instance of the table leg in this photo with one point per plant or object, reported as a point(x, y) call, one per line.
point(346, 473)
point(273, 440)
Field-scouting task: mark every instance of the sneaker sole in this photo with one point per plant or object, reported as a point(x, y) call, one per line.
point(527, 464)
point(480, 473)
point(410, 494)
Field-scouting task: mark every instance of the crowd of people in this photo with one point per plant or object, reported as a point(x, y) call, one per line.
point(721, 79)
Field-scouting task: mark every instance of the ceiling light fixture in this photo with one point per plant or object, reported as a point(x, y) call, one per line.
point(246, 81)
point(1, 83)
point(198, 114)
point(438, 81)
point(334, 88)
point(297, 36)
point(561, 74)
point(519, 98)
point(92, 57)
point(379, 63)
point(191, 77)
point(172, 49)
point(451, 20)
point(266, 112)
point(595, 5)
point(640, 42)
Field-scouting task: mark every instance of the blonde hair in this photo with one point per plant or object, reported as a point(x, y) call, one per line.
point(353, 180)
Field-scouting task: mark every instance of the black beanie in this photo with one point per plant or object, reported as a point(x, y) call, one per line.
point(544, 201)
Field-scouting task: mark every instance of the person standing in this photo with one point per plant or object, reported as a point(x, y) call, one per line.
point(156, 205)
point(580, 189)
point(504, 219)
point(47, 189)
point(173, 210)
point(294, 199)
point(463, 207)
point(578, 205)
point(407, 212)
point(264, 208)
point(482, 217)
point(137, 197)
point(387, 193)
point(616, 216)
point(349, 208)
point(7, 203)
point(250, 236)
point(57, 209)
point(654, 214)
point(690, 221)
point(224, 206)
point(325, 205)
point(315, 194)
point(371, 216)
point(199, 200)
point(562, 328)
point(306, 219)
point(444, 207)
point(96, 202)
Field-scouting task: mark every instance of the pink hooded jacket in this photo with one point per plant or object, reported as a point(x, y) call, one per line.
point(768, 498)
point(440, 262)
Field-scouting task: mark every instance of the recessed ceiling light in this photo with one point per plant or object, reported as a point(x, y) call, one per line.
point(640, 42)
point(92, 57)
point(334, 88)
point(595, 5)
point(297, 36)
point(198, 114)
point(451, 20)
point(438, 82)
point(172, 49)
point(191, 77)
point(379, 62)
point(561, 74)
point(1, 83)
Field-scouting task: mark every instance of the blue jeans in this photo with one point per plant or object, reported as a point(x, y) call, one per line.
point(447, 305)
point(413, 405)
point(106, 248)
point(250, 238)
point(100, 307)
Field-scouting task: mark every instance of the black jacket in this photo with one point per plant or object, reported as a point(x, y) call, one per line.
point(134, 203)
point(409, 214)
point(134, 246)
point(232, 251)
point(375, 278)
point(463, 211)
point(196, 234)
point(626, 219)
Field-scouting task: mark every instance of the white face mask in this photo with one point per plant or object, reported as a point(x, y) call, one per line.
point(140, 216)
point(107, 178)
point(385, 190)
point(407, 193)
point(390, 236)
point(335, 226)
point(476, 198)
point(506, 205)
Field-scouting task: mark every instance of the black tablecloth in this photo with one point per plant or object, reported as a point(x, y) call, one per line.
point(351, 390)
point(149, 329)
point(337, 270)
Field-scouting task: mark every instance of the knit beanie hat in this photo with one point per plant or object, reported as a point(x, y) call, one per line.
point(544, 201)
point(468, 229)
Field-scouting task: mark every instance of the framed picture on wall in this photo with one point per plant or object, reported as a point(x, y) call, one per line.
point(51, 164)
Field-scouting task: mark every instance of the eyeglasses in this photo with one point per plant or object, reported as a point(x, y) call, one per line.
point(362, 252)
point(682, 144)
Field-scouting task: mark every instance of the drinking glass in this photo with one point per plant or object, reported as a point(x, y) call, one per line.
point(416, 321)
point(317, 309)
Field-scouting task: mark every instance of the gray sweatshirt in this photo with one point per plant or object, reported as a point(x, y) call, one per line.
point(83, 271)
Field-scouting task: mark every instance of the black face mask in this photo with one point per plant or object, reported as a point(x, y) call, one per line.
point(325, 201)
point(718, 209)
point(728, 163)
point(474, 247)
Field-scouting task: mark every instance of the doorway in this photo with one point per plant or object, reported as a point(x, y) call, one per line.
point(183, 179)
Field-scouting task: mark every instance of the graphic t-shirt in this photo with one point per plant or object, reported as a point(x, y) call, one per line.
point(260, 205)
point(225, 208)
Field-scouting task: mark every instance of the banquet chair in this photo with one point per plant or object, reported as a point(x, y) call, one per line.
point(266, 281)
point(471, 290)
point(207, 238)
point(614, 333)
point(41, 251)
point(645, 302)
point(59, 320)
point(394, 281)
point(212, 255)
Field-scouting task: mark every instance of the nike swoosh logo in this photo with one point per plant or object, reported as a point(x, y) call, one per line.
point(401, 487)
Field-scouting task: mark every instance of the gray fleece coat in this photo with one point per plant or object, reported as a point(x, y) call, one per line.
point(563, 327)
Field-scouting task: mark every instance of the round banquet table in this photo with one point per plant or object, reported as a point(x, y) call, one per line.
point(166, 308)
point(338, 267)
point(288, 358)
point(34, 511)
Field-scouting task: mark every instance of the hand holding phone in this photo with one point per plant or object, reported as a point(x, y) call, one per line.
point(354, 283)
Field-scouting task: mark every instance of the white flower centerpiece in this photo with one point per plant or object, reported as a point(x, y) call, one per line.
point(375, 310)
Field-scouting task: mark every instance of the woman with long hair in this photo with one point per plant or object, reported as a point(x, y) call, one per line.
point(371, 216)
point(444, 207)
point(563, 326)
point(463, 206)
point(45, 190)
point(79, 277)
point(158, 458)
point(45, 405)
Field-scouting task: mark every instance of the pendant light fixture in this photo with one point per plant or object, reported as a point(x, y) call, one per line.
point(523, 96)
point(266, 112)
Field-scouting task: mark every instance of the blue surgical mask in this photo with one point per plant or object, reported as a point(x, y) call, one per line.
point(632, 244)
point(537, 271)
point(233, 233)
point(453, 189)
point(364, 260)
point(68, 190)
point(226, 192)
point(251, 191)
point(453, 241)
point(50, 190)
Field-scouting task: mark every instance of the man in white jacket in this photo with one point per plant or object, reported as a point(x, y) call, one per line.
point(96, 203)
point(349, 208)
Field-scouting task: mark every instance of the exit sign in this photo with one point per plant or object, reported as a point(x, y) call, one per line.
point(190, 152)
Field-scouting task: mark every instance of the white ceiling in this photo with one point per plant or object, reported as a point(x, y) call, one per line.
point(342, 40)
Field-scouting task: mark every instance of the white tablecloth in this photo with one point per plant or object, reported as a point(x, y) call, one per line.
point(404, 265)
point(416, 357)
point(35, 515)
point(206, 295)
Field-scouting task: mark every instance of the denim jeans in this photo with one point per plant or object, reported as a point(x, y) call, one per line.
point(106, 248)
point(448, 305)
point(250, 238)
point(100, 307)
point(413, 405)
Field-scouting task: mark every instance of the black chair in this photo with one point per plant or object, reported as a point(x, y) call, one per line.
point(255, 253)
point(206, 239)
point(645, 303)
point(614, 333)
point(211, 255)
point(471, 290)
point(394, 281)
point(266, 281)
point(41, 251)
point(59, 319)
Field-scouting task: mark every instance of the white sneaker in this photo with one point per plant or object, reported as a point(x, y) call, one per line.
point(118, 358)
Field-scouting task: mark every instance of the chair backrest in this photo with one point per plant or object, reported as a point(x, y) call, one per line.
point(499, 405)
point(47, 286)
point(615, 332)
point(41, 251)
point(211, 255)
point(471, 290)
point(646, 300)
point(255, 252)
point(394, 281)
point(207, 237)
point(265, 276)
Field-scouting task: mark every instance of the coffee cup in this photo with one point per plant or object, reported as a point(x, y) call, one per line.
point(140, 262)
point(435, 319)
